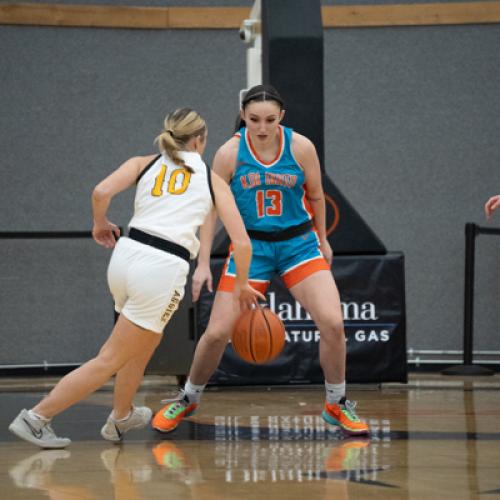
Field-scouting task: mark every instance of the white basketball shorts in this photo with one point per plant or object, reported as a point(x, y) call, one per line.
point(147, 284)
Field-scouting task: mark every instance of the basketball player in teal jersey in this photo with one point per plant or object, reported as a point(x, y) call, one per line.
point(275, 176)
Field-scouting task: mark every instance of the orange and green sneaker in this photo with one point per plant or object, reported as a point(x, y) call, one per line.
point(170, 416)
point(344, 415)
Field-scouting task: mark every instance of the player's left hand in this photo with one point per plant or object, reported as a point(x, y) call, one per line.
point(202, 275)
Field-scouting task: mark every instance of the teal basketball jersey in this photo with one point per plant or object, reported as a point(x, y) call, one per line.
point(270, 196)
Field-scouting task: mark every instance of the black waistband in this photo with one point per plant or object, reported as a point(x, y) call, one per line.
point(286, 234)
point(159, 243)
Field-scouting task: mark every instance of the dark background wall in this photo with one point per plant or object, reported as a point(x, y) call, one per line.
point(412, 127)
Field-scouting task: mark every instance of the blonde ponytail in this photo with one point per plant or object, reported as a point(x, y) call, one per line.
point(179, 127)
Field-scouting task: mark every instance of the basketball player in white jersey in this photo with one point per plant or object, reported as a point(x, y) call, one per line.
point(147, 272)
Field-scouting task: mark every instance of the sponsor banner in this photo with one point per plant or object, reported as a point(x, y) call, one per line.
point(373, 305)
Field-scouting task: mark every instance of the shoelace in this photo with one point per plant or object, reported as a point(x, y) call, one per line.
point(172, 411)
point(350, 408)
point(180, 397)
point(179, 403)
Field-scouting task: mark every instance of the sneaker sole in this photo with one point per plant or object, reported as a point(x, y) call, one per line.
point(166, 431)
point(112, 439)
point(332, 421)
point(33, 440)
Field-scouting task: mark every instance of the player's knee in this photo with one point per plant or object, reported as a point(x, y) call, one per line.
point(333, 328)
point(107, 360)
point(217, 335)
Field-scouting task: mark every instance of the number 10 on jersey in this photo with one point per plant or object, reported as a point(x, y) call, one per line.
point(175, 185)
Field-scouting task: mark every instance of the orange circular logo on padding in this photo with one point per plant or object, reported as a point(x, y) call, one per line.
point(332, 214)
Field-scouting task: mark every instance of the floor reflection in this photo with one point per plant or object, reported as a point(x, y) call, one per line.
point(35, 473)
point(425, 443)
point(200, 469)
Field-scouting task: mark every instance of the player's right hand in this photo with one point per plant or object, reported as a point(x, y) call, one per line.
point(105, 233)
point(201, 275)
point(247, 296)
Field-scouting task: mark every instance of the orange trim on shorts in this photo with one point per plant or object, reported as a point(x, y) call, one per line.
point(301, 272)
point(226, 284)
point(226, 265)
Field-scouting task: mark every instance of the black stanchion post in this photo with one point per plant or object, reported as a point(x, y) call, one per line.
point(470, 261)
point(468, 368)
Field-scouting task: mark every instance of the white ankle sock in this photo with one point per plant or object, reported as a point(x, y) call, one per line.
point(334, 392)
point(193, 392)
point(32, 414)
point(126, 417)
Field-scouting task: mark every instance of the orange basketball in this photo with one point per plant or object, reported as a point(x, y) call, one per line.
point(258, 336)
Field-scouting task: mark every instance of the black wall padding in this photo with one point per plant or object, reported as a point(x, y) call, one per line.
point(292, 60)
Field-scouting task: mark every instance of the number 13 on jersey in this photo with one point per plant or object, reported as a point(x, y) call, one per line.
point(268, 202)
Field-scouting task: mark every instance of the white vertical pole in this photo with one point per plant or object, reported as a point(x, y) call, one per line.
point(251, 34)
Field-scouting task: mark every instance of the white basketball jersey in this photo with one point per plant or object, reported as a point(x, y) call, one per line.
point(172, 203)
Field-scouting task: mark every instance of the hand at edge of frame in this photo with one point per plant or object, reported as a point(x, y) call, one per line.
point(491, 205)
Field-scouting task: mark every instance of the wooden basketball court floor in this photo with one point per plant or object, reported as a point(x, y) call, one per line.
point(435, 438)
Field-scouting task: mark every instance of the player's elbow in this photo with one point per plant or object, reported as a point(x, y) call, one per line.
point(315, 194)
point(101, 192)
